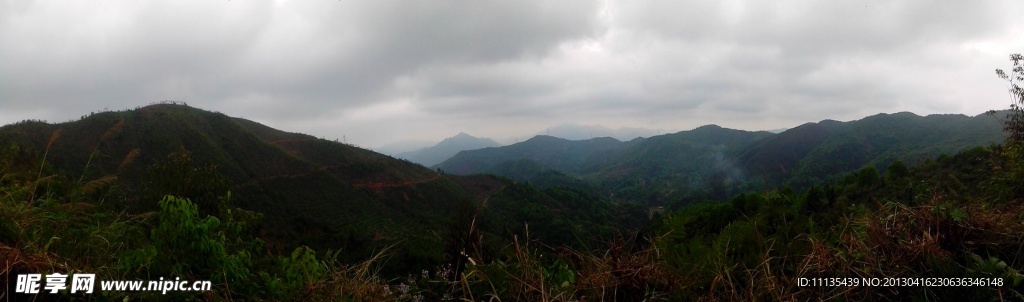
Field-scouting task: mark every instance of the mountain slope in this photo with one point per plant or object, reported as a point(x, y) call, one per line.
point(313, 192)
point(572, 157)
point(778, 155)
point(668, 165)
point(814, 152)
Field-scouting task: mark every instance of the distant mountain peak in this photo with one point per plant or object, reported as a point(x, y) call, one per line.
point(447, 148)
point(463, 134)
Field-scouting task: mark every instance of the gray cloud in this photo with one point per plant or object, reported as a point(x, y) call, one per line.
point(382, 71)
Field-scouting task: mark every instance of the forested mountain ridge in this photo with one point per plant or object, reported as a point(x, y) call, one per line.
point(312, 191)
point(815, 152)
point(713, 162)
point(665, 167)
point(569, 156)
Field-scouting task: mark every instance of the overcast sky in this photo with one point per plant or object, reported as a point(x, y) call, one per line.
point(377, 72)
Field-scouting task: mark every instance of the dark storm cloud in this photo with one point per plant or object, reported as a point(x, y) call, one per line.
point(80, 57)
point(380, 71)
point(326, 54)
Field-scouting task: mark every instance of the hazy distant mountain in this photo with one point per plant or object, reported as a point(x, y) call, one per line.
point(582, 132)
point(446, 149)
point(403, 146)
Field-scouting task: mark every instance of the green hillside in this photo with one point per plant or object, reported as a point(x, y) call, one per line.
point(697, 164)
point(573, 157)
point(711, 162)
point(642, 170)
point(310, 191)
point(882, 139)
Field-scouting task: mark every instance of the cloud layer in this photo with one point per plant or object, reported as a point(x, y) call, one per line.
point(382, 71)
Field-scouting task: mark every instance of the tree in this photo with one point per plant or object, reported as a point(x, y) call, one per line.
point(1011, 164)
point(180, 176)
point(1014, 123)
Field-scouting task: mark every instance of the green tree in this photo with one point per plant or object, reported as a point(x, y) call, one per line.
point(179, 176)
point(867, 176)
point(184, 244)
point(1014, 123)
point(1010, 165)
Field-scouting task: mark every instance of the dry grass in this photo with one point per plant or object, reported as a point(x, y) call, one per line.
point(14, 261)
point(929, 240)
point(358, 282)
point(624, 274)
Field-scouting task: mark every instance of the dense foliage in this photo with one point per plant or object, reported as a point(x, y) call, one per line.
point(950, 217)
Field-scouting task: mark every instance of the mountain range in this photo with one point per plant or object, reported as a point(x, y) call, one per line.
point(236, 196)
point(331, 195)
point(583, 132)
point(713, 162)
